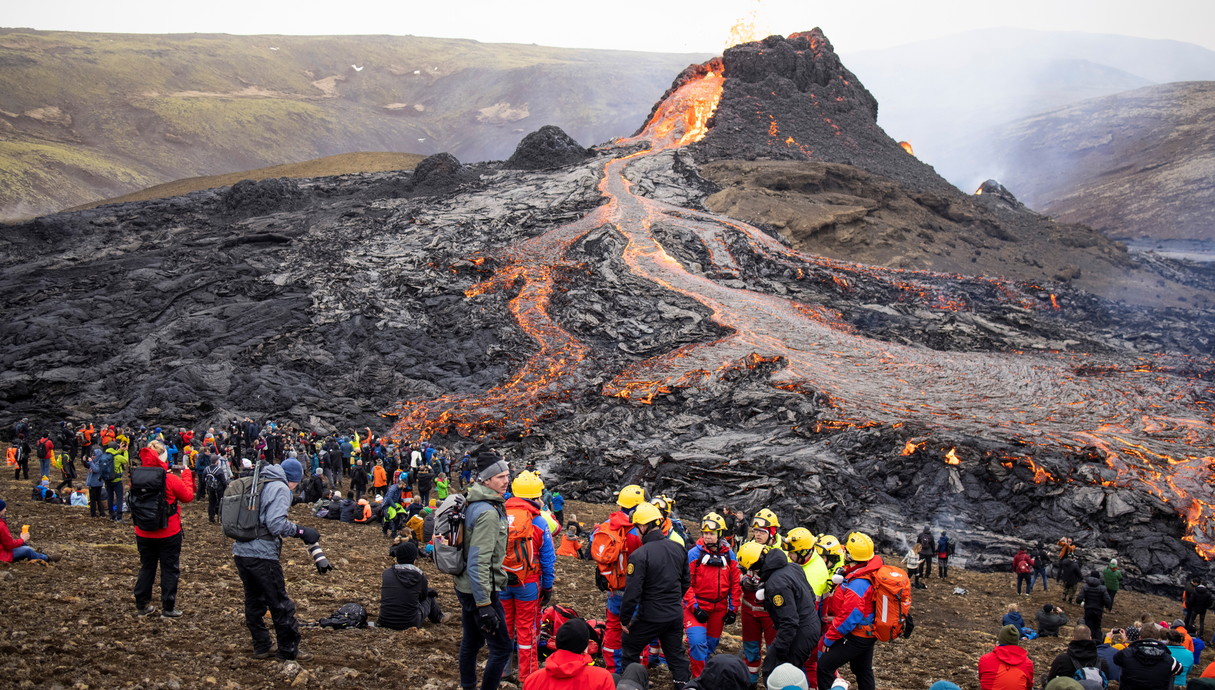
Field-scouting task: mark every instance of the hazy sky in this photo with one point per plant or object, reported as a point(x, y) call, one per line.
point(651, 25)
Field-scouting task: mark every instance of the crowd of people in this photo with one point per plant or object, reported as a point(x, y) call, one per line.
point(806, 604)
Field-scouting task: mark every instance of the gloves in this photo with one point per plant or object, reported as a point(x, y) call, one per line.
point(487, 620)
point(308, 535)
point(546, 595)
point(700, 615)
point(601, 581)
point(729, 618)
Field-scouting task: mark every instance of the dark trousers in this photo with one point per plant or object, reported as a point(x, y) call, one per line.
point(213, 497)
point(1023, 578)
point(669, 634)
point(97, 505)
point(266, 590)
point(429, 609)
point(857, 652)
point(500, 645)
point(1114, 593)
point(926, 567)
point(22, 466)
point(1092, 618)
point(1190, 615)
point(797, 654)
point(943, 566)
point(165, 552)
point(114, 492)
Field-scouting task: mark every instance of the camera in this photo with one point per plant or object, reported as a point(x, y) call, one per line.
point(318, 558)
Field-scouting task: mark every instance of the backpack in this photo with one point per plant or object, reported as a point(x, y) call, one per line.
point(1089, 677)
point(551, 620)
point(350, 615)
point(1024, 566)
point(522, 563)
point(149, 506)
point(214, 477)
point(42, 448)
point(890, 592)
point(105, 467)
point(448, 539)
point(241, 507)
point(608, 551)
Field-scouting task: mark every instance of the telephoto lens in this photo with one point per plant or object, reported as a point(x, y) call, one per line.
point(318, 558)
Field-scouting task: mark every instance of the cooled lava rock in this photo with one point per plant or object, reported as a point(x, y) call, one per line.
point(547, 147)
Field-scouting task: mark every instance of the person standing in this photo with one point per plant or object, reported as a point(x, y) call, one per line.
point(1023, 566)
point(23, 457)
point(215, 482)
point(1041, 562)
point(261, 574)
point(790, 602)
point(97, 504)
point(1197, 601)
point(927, 549)
point(45, 449)
point(529, 564)
point(652, 605)
point(757, 629)
point(117, 464)
point(159, 545)
point(848, 612)
point(714, 596)
point(1095, 599)
point(481, 613)
point(1070, 576)
point(612, 568)
point(944, 551)
point(1112, 575)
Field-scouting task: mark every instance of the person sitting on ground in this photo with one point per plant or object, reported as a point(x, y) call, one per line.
point(785, 677)
point(405, 595)
point(571, 541)
point(44, 493)
point(570, 666)
point(334, 506)
point(1176, 644)
point(13, 550)
point(1050, 619)
point(1007, 665)
point(362, 512)
point(347, 508)
point(1064, 683)
point(1147, 662)
point(1081, 653)
point(728, 672)
point(79, 498)
point(1013, 617)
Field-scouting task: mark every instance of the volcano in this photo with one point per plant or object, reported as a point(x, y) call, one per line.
point(598, 321)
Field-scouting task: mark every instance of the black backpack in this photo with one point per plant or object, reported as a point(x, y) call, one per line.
point(150, 508)
point(350, 615)
point(214, 477)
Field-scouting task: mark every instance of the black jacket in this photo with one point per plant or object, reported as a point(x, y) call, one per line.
point(314, 488)
point(928, 545)
point(722, 672)
point(1200, 600)
point(402, 588)
point(1079, 654)
point(1069, 572)
point(346, 510)
point(1095, 597)
point(1049, 623)
point(789, 601)
point(1147, 665)
point(657, 579)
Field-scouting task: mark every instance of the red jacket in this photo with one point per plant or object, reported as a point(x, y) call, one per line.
point(994, 671)
point(714, 587)
point(177, 490)
point(7, 543)
point(849, 611)
point(1023, 563)
point(565, 670)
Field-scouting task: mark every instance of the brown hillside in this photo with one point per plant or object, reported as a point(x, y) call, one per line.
point(341, 164)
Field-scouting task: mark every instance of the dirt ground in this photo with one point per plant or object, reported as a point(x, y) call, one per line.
point(72, 624)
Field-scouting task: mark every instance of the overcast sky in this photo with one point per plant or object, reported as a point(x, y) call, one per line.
point(650, 25)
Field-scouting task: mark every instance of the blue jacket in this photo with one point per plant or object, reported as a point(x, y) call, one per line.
point(548, 554)
point(1013, 618)
point(93, 478)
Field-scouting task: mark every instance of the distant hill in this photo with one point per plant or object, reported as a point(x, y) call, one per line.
point(85, 117)
point(1135, 165)
point(341, 164)
point(944, 95)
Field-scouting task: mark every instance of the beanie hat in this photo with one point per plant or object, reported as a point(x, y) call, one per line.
point(1064, 683)
point(1009, 634)
point(787, 676)
point(1113, 562)
point(3, 504)
point(293, 469)
point(943, 685)
point(490, 464)
point(406, 552)
point(318, 471)
point(573, 636)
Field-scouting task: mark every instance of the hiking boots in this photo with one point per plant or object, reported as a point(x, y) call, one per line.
point(265, 653)
point(300, 655)
point(171, 613)
point(54, 557)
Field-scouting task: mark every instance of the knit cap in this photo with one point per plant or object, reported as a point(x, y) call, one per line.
point(787, 676)
point(1009, 634)
point(573, 636)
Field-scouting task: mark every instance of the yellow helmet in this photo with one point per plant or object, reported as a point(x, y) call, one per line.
point(859, 546)
point(765, 518)
point(749, 554)
point(664, 503)
point(713, 523)
point(630, 496)
point(646, 513)
point(827, 543)
point(800, 539)
point(527, 485)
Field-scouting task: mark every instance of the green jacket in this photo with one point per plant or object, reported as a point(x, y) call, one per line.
point(1113, 578)
point(484, 544)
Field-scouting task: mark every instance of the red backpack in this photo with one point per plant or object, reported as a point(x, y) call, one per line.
point(608, 550)
point(890, 591)
point(551, 620)
point(522, 563)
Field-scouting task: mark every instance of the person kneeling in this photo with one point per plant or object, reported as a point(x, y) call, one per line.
point(405, 598)
point(570, 666)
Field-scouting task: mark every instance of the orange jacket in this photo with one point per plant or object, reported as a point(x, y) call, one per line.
point(569, 546)
point(565, 670)
point(379, 478)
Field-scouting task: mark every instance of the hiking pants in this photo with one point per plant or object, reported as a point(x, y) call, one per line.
point(855, 651)
point(703, 637)
point(1109, 609)
point(22, 466)
point(612, 653)
point(522, 607)
point(114, 491)
point(757, 633)
point(670, 636)
point(213, 498)
point(943, 567)
point(1092, 618)
point(1023, 578)
point(473, 640)
point(44, 464)
point(1039, 573)
point(97, 505)
point(165, 552)
point(1190, 615)
point(265, 590)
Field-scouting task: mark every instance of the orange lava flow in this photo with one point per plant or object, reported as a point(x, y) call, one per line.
point(1147, 421)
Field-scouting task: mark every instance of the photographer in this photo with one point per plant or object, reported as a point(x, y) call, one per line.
point(257, 563)
point(1050, 619)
